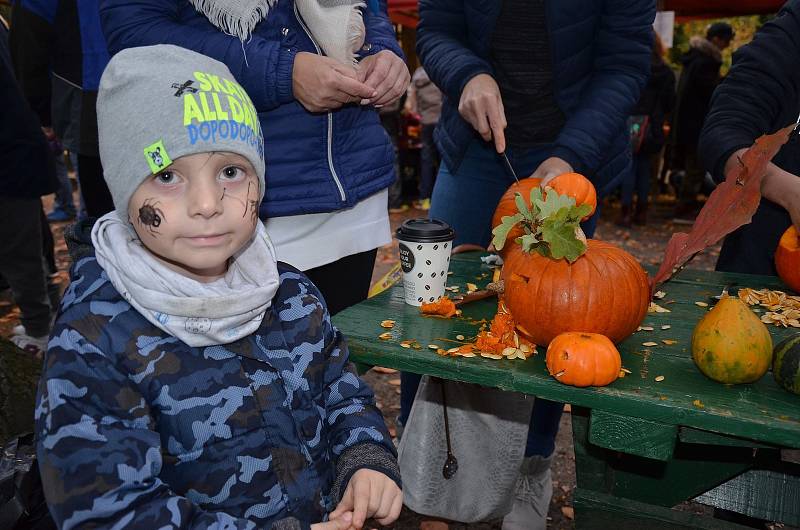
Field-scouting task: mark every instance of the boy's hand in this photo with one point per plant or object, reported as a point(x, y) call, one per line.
point(370, 494)
point(342, 522)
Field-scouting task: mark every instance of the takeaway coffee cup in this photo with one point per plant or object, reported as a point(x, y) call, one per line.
point(425, 246)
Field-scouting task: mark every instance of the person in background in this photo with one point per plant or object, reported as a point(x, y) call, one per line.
point(760, 95)
point(27, 172)
point(698, 79)
point(425, 99)
point(59, 51)
point(550, 83)
point(648, 117)
point(317, 72)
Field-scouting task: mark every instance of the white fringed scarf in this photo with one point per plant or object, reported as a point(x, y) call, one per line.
point(336, 25)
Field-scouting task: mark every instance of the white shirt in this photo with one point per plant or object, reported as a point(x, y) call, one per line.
point(312, 240)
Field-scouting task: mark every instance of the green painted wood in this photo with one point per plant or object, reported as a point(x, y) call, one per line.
point(633, 436)
point(595, 510)
point(696, 436)
point(691, 471)
point(761, 411)
point(772, 495)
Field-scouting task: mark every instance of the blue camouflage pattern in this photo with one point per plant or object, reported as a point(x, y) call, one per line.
point(138, 430)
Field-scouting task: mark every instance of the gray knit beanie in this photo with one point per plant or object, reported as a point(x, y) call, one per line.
point(159, 103)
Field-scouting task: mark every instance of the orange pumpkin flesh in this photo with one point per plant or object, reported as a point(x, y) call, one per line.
point(787, 258)
point(583, 359)
point(605, 291)
point(578, 187)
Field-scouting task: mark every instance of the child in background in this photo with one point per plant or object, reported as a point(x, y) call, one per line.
point(192, 381)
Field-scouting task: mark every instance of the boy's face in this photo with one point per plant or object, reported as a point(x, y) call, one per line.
point(197, 213)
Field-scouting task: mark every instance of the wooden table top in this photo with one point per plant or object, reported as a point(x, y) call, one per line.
point(759, 411)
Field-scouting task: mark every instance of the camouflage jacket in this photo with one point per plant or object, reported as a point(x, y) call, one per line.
point(138, 430)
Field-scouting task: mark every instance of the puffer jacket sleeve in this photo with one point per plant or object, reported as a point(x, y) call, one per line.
point(99, 456)
point(760, 93)
point(263, 67)
point(357, 434)
point(621, 51)
point(442, 46)
point(379, 32)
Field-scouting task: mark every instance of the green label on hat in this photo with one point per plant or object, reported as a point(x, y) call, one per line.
point(157, 157)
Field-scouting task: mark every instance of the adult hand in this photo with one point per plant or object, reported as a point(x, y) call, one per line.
point(778, 185)
point(370, 494)
point(342, 522)
point(482, 106)
point(550, 169)
point(387, 74)
point(322, 84)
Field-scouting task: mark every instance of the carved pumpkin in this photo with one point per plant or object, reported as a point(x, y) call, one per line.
point(787, 258)
point(507, 206)
point(583, 359)
point(578, 187)
point(604, 291)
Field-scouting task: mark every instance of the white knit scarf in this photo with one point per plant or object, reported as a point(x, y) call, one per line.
point(199, 314)
point(336, 25)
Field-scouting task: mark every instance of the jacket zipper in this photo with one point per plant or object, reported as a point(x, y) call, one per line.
point(330, 114)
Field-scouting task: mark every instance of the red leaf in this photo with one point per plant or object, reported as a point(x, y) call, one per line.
point(731, 205)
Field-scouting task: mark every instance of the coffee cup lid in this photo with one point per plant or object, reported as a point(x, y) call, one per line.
point(425, 231)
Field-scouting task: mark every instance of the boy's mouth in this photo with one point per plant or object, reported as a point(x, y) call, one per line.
point(207, 240)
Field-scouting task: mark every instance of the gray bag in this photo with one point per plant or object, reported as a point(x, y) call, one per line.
point(488, 429)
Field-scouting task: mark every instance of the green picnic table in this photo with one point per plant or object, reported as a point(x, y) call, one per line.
point(642, 446)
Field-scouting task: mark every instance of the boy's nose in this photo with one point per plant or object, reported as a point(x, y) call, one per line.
point(206, 199)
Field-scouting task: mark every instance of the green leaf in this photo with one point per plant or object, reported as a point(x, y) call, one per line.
point(528, 242)
point(560, 237)
point(501, 231)
point(579, 212)
point(536, 198)
point(522, 207)
point(552, 203)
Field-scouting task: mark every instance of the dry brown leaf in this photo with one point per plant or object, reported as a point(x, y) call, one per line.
point(699, 404)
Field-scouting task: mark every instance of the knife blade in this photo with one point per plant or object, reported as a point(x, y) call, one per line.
point(508, 165)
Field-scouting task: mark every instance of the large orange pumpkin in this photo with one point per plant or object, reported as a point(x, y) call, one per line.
point(583, 359)
point(604, 291)
point(578, 187)
point(787, 258)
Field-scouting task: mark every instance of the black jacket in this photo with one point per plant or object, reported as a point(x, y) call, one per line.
point(27, 167)
point(760, 95)
point(698, 80)
point(656, 101)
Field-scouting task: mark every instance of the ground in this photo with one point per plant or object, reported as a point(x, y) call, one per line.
point(645, 242)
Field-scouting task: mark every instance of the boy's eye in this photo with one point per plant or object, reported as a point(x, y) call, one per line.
point(232, 173)
point(166, 177)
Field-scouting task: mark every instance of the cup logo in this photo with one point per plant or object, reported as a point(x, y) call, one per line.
point(406, 258)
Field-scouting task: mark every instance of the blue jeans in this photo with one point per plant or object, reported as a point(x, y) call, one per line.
point(64, 200)
point(466, 200)
point(637, 181)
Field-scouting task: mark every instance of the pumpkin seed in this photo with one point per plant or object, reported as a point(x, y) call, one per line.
point(509, 351)
point(471, 287)
point(623, 369)
point(385, 336)
point(452, 350)
point(460, 337)
point(491, 356)
point(645, 328)
point(650, 343)
point(701, 304)
point(468, 354)
point(669, 342)
point(666, 326)
point(387, 324)
point(433, 346)
point(659, 378)
point(659, 295)
point(405, 345)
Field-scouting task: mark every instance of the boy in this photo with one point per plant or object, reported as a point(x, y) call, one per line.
point(191, 381)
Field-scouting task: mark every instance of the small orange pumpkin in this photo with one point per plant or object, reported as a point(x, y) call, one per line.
point(578, 187)
point(583, 359)
point(605, 291)
point(787, 258)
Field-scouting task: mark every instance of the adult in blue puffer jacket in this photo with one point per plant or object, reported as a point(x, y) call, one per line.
point(551, 83)
point(329, 161)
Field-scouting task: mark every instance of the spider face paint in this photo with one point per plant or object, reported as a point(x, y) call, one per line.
point(151, 215)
